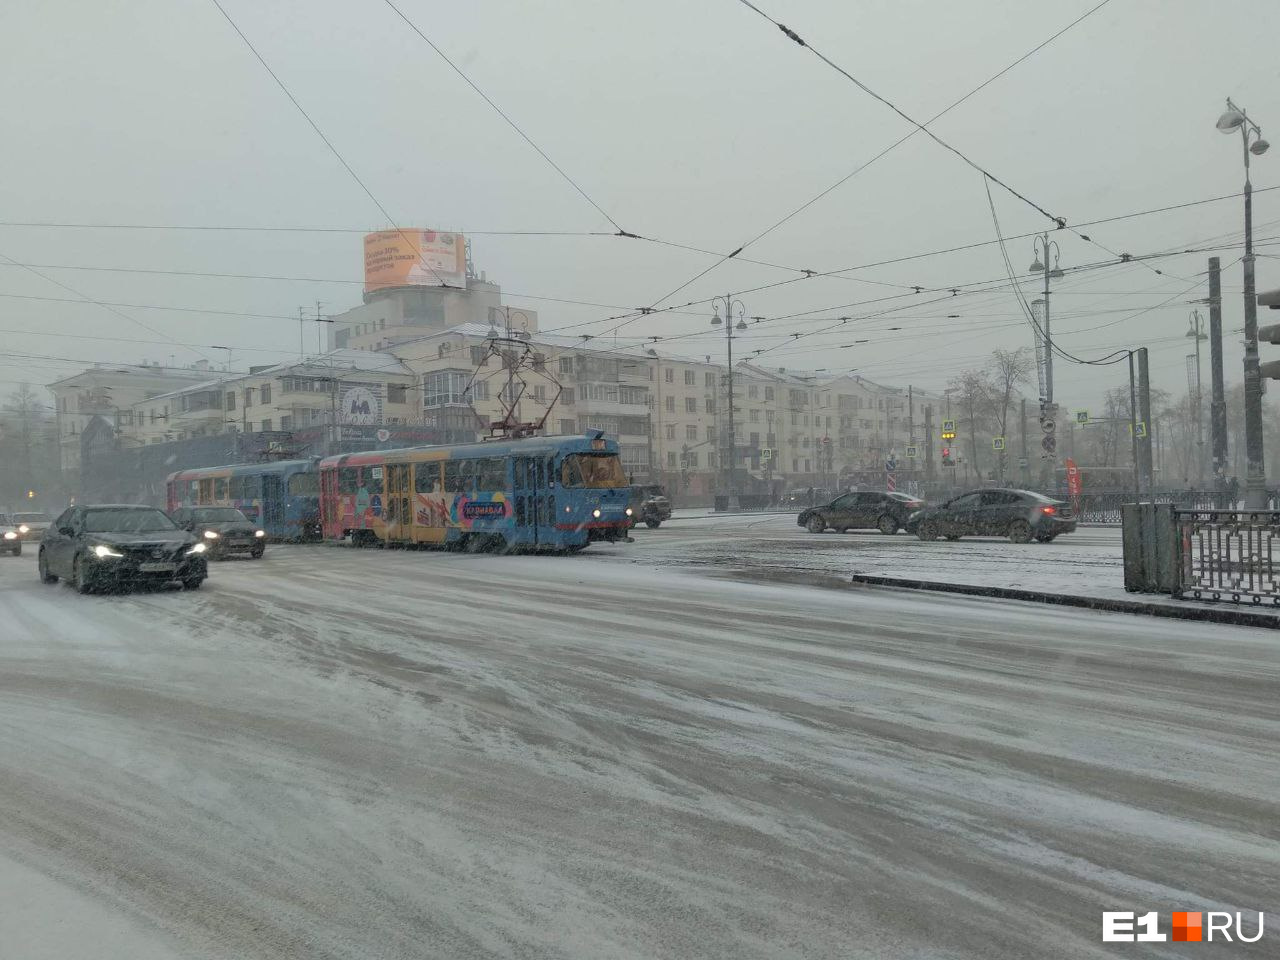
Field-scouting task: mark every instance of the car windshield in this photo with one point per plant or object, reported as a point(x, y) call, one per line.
point(31, 517)
point(218, 515)
point(592, 470)
point(126, 520)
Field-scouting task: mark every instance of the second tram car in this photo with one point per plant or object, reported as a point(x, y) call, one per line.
point(282, 497)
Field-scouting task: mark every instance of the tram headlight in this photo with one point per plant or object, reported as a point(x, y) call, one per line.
point(596, 513)
point(197, 548)
point(10, 535)
point(628, 511)
point(259, 533)
point(211, 534)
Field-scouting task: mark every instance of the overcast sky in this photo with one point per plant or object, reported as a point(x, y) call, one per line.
point(696, 123)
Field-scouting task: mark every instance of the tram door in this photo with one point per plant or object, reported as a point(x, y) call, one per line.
point(398, 508)
point(272, 505)
point(535, 503)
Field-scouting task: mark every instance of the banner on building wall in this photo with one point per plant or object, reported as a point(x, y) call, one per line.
point(414, 258)
point(360, 406)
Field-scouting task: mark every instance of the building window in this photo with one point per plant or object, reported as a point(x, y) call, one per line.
point(807, 468)
point(568, 426)
point(691, 432)
point(768, 393)
point(752, 391)
point(754, 416)
point(711, 380)
point(711, 404)
point(690, 378)
point(692, 458)
point(566, 397)
point(755, 440)
point(266, 426)
point(231, 400)
point(669, 375)
point(566, 365)
point(265, 391)
point(540, 392)
point(795, 465)
point(479, 356)
point(445, 388)
point(690, 404)
point(711, 460)
point(670, 431)
point(286, 423)
point(671, 402)
point(671, 458)
point(480, 390)
point(397, 393)
point(248, 396)
point(711, 433)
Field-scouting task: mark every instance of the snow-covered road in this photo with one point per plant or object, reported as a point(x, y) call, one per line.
point(369, 754)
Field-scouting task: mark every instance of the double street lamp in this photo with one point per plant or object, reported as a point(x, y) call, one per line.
point(732, 308)
point(1048, 249)
point(1253, 144)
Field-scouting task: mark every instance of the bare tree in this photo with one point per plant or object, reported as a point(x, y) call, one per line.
point(1006, 372)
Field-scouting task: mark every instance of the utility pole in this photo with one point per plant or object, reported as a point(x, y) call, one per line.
point(1218, 403)
point(1026, 457)
point(730, 306)
point(302, 332)
point(911, 419)
point(1133, 433)
point(1197, 404)
point(1144, 407)
point(973, 439)
point(1042, 245)
point(928, 443)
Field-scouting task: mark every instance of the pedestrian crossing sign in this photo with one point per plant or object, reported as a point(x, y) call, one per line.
point(912, 452)
point(997, 443)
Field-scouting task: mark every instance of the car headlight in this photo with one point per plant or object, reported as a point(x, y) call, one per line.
point(10, 535)
point(199, 547)
point(211, 535)
point(596, 513)
point(259, 533)
point(628, 511)
point(24, 529)
point(102, 552)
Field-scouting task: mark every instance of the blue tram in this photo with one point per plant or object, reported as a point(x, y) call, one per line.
point(281, 497)
point(535, 493)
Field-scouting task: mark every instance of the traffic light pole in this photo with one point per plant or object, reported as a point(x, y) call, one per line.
point(1217, 403)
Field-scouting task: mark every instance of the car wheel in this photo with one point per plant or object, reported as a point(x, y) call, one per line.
point(17, 551)
point(193, 583)
point(953, 537)
point(926, 532)
point(816, 524)
point(80, 577)
point(887, 525)
point(653, 524)
point(42, 565)
point(1020, 531)
point(1045, 537)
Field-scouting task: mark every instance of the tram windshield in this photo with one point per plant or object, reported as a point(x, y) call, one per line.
point(592, 470)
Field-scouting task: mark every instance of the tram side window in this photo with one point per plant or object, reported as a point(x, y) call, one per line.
point(304, 485)
point(351, 479)
point(245, 488)
point(220, 489)
point(206, 491)
point(491, 474)
point(457, 476)
point(426, 477)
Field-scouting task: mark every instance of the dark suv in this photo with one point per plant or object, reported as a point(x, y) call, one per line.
point(114, 546)
point(649, 505)
point(224, 530)
point(886, 512)
point(1020, 515)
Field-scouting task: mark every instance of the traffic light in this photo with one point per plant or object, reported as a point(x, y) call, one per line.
point(947, 461)
point(1271, 334)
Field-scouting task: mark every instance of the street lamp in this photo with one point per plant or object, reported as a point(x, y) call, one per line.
point(1043, 246)
point(732, 308)
point(1255, 479)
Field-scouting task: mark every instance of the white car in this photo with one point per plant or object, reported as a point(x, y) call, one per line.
point(32, 524)
point(10, 538)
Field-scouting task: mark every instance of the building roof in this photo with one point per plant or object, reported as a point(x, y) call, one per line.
point(131, 369)
point(361, 361)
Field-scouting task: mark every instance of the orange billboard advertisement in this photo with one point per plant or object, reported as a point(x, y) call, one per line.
point(414, 258)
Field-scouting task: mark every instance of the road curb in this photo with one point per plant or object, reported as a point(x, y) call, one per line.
point(1235, 617)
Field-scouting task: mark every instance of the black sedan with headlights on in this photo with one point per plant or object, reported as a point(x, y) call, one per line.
point(112, 547)
point(1020, 515)
point(224, 530)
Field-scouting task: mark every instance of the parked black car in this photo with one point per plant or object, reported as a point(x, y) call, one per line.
point(649, 505)
point(114, 546)
point(886, 512)
point(224, 530)
point(1019, 515)
point(10, 538)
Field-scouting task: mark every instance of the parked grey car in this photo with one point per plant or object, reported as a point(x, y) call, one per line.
point(1020, 515)
point(869, 510)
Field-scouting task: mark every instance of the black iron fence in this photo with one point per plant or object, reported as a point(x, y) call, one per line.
point(1227, 555)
